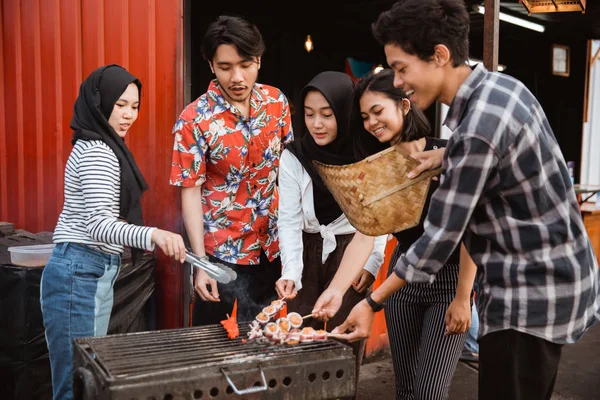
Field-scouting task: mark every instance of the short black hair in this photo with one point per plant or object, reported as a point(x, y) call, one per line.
point(417, 26)
point(415, 124)
point(236, 31)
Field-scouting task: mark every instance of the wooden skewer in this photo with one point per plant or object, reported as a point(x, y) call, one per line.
point(334, 335)
point(284, 297)
point(308, 316)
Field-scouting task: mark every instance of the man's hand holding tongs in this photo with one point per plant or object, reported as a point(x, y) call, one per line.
point(202, 284)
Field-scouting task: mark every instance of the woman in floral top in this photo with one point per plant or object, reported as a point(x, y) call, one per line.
point(225, 158)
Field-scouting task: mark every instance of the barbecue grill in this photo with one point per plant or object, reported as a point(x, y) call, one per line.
point(202, 363)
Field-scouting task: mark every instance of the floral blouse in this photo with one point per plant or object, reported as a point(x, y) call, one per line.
point(236, 161)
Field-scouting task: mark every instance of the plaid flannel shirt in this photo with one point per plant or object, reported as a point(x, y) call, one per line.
point(505, 190)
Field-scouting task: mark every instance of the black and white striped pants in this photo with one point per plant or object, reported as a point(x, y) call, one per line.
point(424, 358)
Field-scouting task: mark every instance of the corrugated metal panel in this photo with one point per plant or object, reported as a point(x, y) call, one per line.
point(47, 48)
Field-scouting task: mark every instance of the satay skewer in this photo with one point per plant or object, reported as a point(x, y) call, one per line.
point(287, 295)
point(334, 335)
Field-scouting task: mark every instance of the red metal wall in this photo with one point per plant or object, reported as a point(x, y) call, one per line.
point(47, 47)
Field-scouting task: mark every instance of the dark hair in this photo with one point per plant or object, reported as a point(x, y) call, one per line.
point(227, 29)
point(415, 124)
point(417, 26)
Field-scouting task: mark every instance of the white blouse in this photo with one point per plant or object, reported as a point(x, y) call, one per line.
point(297, 214)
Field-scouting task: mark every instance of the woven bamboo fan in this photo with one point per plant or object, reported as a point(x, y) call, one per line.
point(375, 193)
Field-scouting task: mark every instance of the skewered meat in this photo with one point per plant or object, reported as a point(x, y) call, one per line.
point(278, 304)
point(295, 319)
point(307, 335)
point(262, 318)
point(255, 334)
point(294, 335)
point(284, 324)
point(270, 329)
point(278, 337)
point(320, 334)
point(270, 310)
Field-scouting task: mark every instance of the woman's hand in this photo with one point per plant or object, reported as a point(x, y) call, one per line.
point(328, 304)
point(170, 243)
point(202, 282)
point(430, 159)
point(458, 317)
point(285, 288)
point(363, 281)
point(358, 323)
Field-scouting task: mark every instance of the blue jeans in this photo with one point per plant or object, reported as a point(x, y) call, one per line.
point(77, 299)
point(471, 344)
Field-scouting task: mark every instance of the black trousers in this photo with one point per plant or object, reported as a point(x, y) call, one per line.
point(254, 288)
point(316, 277)
point(517, 366)
point(423, 356)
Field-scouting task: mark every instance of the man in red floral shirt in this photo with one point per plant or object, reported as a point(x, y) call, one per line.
point(226, 158)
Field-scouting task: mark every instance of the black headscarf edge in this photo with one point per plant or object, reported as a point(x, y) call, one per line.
point(337, 89)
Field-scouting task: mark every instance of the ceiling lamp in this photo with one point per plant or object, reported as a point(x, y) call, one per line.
point(516, 21)
point(545, 6)
point(308, 44)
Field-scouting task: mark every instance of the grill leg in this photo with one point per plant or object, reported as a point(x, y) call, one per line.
point(84, 385)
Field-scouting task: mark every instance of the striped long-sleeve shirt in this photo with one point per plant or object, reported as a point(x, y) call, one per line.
point(506, 186)
point(91, 208)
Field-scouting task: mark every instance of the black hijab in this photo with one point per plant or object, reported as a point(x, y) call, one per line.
point(337, 88)
point(98, 94)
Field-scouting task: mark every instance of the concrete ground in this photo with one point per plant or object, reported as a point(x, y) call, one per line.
point(578, 375)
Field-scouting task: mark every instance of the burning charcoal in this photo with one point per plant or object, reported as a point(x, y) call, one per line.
point(295, 319)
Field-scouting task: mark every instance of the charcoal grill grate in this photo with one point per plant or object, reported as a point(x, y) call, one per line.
point(190, 363)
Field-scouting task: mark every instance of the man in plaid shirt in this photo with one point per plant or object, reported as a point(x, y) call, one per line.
point(505, 191)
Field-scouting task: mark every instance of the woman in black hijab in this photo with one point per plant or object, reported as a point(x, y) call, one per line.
point(101, 215)
point(315, 237)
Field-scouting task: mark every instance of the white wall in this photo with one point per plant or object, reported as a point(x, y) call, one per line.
point(590, 147)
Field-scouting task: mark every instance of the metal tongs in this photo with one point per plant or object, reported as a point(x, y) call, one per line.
point(217, 271)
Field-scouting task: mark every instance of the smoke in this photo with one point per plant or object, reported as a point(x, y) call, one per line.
point(248, 291)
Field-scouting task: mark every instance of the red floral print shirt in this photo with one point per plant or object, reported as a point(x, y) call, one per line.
point(236, 162)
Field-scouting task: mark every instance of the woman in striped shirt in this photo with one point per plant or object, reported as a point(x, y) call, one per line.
point(101, 215)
